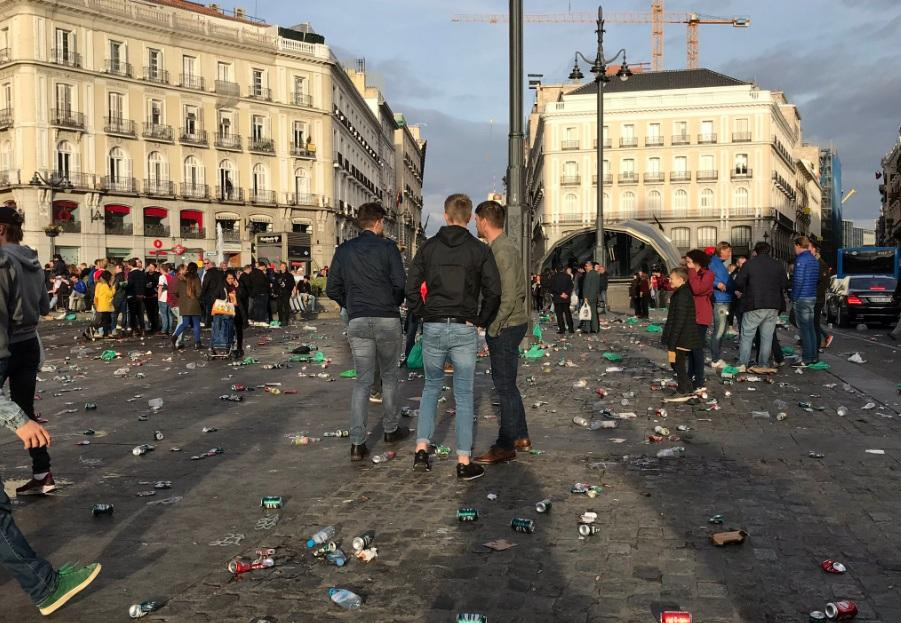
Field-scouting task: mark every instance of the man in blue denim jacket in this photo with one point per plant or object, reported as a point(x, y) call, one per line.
point(723, 288)
point(804, 299)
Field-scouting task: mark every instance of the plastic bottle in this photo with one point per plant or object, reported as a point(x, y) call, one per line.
point(321, 537)
point(142, 609)
point(155, 404)
point(345, 598)
point(667, 453)
point(337, 558)
point(842, 411)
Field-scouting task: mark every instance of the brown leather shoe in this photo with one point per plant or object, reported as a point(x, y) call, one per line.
point(523, 445)
point(496, 455)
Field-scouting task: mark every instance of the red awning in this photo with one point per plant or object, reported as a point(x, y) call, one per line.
point(115, 208)
point(62, 210)
point(156, 212)
point(195, 216)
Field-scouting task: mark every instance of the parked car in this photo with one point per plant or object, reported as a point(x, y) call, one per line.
point(862, 298)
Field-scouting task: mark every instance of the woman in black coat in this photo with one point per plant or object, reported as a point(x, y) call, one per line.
point(680, 333)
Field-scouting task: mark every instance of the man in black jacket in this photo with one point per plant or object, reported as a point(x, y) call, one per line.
point(367, 279)
point(561, 287)
point(258, 285)
point(762, 282)
point(455, 267)
point(284, 288)
point(680, 335)
point(151, 304)
point(211, 289)
point(134, 297)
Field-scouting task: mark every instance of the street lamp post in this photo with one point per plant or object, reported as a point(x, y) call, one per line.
point(599, 69)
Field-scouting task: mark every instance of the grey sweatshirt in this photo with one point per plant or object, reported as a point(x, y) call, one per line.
point(30, 300)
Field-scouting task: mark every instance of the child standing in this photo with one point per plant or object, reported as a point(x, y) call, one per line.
point(680, 334)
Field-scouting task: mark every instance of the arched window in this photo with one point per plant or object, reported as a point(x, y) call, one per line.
point(301, 185)
point(156, 167)
point(227, 180)
point(707, 237)
point(64, 158)
point(627, 208)
point(571, 172)
point(681, 237)
point(655, 201)
point(680, 201)
point(117, 167)
point(570, 205)
point(707, 207)
point(741, 238)
point(259, 178)
point(740, 201)
point(193, 172)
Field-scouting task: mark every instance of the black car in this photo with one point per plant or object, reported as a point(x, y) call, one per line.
point(861, 299)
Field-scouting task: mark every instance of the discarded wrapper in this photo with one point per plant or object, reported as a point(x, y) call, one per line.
point(367, 555)
point(734, 537)
point(499, 545)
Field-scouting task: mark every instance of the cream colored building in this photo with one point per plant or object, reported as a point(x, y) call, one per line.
point(132, 127)
point(410, 149)
point(704, 156)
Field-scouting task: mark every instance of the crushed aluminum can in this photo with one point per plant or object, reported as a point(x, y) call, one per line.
point(471, 617)
point(716, 519)
point(162, 484)
point(519, 524)
point(141, 450)
point(816, 616)
point(815, 455)
point(102, 509)
point(271, 501)
point(672, 616)
point(158, 435)
point(843, 610)
point(209, 429)
point(90, 406)
point(831, 566)
point(467, 514)
point(586, 529)
point(325, 549)
point(661, 413)
point(232, 397)
point(543, 506)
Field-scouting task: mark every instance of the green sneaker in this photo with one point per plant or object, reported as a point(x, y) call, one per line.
point(71, 582)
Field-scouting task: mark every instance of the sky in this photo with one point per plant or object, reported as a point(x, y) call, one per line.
point(835, 59)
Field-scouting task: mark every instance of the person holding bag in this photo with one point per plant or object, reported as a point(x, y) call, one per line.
point(680, 334)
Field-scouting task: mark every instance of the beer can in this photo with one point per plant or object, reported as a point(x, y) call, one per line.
point(102, 509)
point(523, 525)
point(271, 501)
point(467, 513)
point(543, 506)
point(323, 550)
point(816, 617)
point(158, 435)
point(586, 529)
point(471, 617)
point(364, 540)
point(90, 406)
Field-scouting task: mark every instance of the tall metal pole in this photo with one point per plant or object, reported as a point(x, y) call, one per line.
point(515, 156)
point(600, 252)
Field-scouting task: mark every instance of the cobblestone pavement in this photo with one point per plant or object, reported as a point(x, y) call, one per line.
point(652, 552)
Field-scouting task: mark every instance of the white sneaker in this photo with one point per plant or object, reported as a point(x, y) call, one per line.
point(741, 368)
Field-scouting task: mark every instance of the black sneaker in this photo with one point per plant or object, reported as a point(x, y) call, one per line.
point(401, 433)
point(421, 462)
point(470, 471)
point(358, 451)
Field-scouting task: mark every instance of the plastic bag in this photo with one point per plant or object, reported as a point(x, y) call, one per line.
point(613, 357)
point(414, 359)
point(584, 312)
point(655, 328)
point(536, 332)
point(221, 307)
point(534, 352)
point(349, 374)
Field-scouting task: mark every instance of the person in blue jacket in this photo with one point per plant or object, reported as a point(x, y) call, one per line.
point(804, 299)
point(723, 288)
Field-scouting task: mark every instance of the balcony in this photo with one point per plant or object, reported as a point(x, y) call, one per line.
point(680, 176)
point(5, 56)
point(229, 234)
point(230, 195)
point(654, 178)
point(224, 87)
point(195, 192)
point(66, 118)
point(116, 67)
point(570, 218)
point(159, 188)
point(68, 227)
point(629, 141)
point(262, 197)
point(302, 99)
point(594, 143)
point(119, 126)
point(59, 56)
point(571, 180)
point(680, 139)
point(193, 136)
point(567, 145)
point(653, 141)
point(260, 93)
point(302, 199)
point(156, 75)
point(117, 184)
point(115, 228)
point(742, 174)
point(191, 81)
point(707, 176)
point(262, 145)
point(193, 233)
point(6, 118)
point(706, 139)
point(741, 137)
point(228, 141)
point(9, 178)
point(157, 132)
point(156, 230)
point(608, 179)
point(303, 150)
point(71, 180)
point(628, 178)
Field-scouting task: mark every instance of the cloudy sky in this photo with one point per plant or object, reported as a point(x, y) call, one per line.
point(836, 59)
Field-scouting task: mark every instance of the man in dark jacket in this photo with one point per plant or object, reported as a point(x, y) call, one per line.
point(762, 282)
point(591, 290)
point(151, 304)
point(561, 287)
point(604, 281)
point(284, 289)
point(213, 283)
point(258, 285)
point(134, 297)
point(680, 333)
point(804, 300)
point(824, 338)
point(456, 268)
point(367, 279)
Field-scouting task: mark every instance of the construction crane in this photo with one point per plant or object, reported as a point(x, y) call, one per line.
point(657, 17)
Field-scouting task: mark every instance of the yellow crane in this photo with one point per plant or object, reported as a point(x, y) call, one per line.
point(657, 17)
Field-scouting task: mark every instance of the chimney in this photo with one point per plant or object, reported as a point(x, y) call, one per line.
point(215, 7)
point(239, 13)
point(361, 65)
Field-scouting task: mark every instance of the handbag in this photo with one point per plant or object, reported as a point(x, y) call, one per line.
point(584, 312)
point(221, 307)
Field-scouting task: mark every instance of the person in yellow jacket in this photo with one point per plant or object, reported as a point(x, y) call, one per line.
point(103, 302)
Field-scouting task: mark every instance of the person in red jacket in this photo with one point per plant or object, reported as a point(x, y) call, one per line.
point(700, 280)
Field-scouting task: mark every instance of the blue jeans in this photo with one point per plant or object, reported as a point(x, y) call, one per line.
point(459, 343)
point(167, 321)
point(804, 315)
point(765, 320)
point(720, 324)
point(376, 344)
point(504, 350)
point(192, 321)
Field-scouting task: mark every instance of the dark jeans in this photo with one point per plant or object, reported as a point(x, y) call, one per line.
point(239, 328)
point(818, 323)
point(152, 308)
point(135, 313)
point(26, 357)
point(696, 360)
point(34, 574)
point(683, 357)
point(412, 329)
point(284, 310)
point(259, 311)
point(504, 351)
point(643, 302)
point(104, 321)
point(563, 313)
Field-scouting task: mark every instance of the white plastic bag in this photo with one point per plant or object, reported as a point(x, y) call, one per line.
point(584, 312)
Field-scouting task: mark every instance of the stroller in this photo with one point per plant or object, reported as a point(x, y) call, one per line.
point(223, 337)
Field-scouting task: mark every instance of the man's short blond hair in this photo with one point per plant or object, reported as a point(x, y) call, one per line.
point(458, 208)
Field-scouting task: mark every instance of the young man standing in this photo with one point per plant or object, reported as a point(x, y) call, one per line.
point(591, 292)
point(151, 305)
point(762, 282)
point(561, 288)
point(258, 283)
point(604, 281)
point(723, 287)
point(824, 338)
point(284, 288)
point(505, 333)
point(456, 269)
point(804, 298)
point(367, 279)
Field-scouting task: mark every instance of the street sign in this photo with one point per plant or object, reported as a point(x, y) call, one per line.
point(179, 249)
point(210, 254)
point(157, 244)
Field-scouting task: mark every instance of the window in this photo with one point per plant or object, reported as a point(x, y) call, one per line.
point(156, 112)
point(740, 200)
point(64, 98)
point(654, 131)
point(628, 132)
point(570, 204)
point(225, 123)
point(154, 64)
point(680, 128)
point(706, 163)
point(193, 172)
point(156, 167)
point(627, 205)
point(301, 184)
point(259, 178)
point(654, 166)
point(680, 164)
point(192, 120)
point(628, 167)
point(258, 82)
point(4, 38)
point(298, 85)
point(227, 179)
point(606, 168)
point(299, 138)
point(681, 237)
point(257, 127)
point(707, 237)
point(223, 71)
point(741, 236)
point(741, 125)
point(116, 55)
point(188, 67)
point(655, 201)
point(680, 201)
point(707, 204)
point(572, 134)
point(741, 164)
point(65, 46)
point(8, 95)
point(116, 104)
point(64, 158)
point(707, 128)
point(5, 156)
point(117, 165)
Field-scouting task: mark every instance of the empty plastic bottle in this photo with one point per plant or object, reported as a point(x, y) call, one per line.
point(337, 558)
point(155, 404)
point(842, 411)
point(321, 537)
point(667, 453)
point(142, 609)
point(345, 598)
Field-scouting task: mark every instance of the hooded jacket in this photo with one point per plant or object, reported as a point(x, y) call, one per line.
point(28, 299)
point(456, 267)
